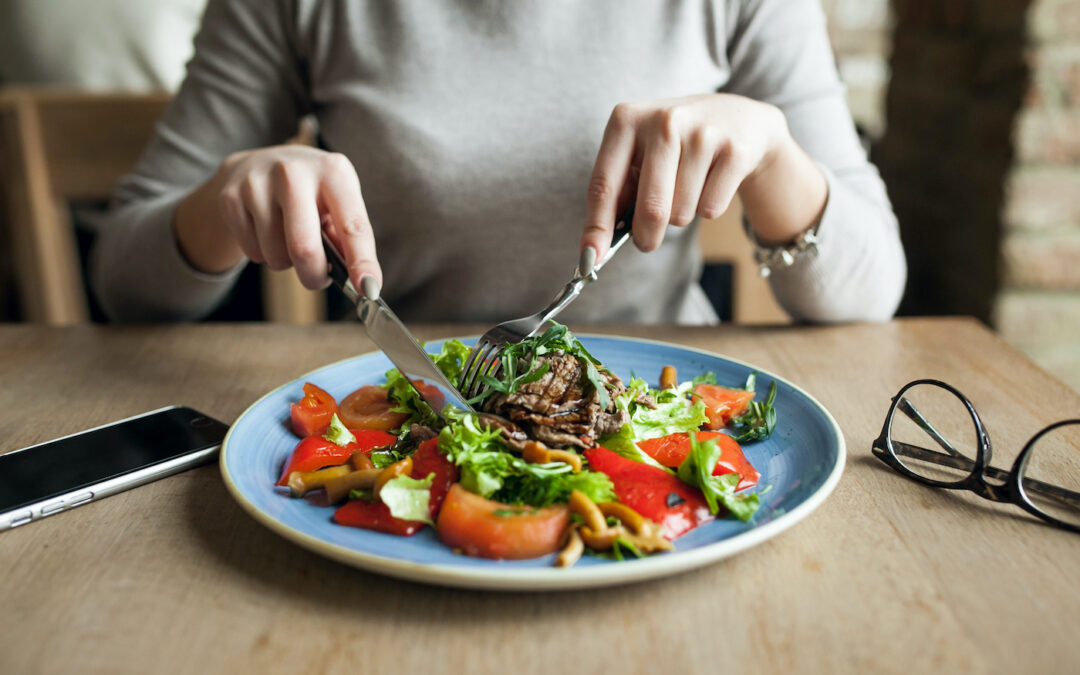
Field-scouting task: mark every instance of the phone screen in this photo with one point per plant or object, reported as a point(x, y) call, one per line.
point(85, 459)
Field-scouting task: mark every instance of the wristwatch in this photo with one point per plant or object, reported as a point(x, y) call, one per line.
point(767, 257)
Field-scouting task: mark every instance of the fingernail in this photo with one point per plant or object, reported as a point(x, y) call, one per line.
point(369, 287)
point(587, 261)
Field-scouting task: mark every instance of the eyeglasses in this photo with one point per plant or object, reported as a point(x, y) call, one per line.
point(933, 435)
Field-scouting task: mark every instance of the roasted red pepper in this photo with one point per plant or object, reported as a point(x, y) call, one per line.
point(311, 415)
point(672, 450)
point(654, 493)
point(427, 459)
point(315, 452)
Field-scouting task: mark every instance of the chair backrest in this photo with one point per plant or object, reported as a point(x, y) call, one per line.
point(59, 146)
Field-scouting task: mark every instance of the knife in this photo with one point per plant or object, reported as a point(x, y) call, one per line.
point(390, 335)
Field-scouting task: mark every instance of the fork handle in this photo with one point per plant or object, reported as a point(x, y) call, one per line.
point(623, 230)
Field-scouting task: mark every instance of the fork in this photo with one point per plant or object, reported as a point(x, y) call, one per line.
point(483, 359)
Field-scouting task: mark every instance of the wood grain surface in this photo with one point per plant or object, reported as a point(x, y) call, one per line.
point(887, 576)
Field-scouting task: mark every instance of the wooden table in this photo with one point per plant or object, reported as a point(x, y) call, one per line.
point(887, 576)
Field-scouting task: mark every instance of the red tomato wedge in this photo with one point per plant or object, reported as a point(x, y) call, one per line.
point(315, 452)
point(721, 403)
point(652, 492)
point(482, 528)
point(431, 394)
point(376, 516)
point(311, 414)
point(672, 450)
point(369, 408)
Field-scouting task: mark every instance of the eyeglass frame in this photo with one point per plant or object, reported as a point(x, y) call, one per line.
point(1011, 491)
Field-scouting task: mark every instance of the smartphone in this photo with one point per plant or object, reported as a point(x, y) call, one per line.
point(58, 475)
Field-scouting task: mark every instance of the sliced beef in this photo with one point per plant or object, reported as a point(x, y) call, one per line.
point(514, 436)
point(562, 408)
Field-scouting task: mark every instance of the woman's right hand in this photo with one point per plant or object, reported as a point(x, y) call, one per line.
point(271, 205)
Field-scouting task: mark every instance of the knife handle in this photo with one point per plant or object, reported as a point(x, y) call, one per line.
point(337, 270)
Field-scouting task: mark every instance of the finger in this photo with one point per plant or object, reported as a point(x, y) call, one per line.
point(725, 176)
point(239, 221)
point(266, 220)
point(350, 225)
point(608, 179)
point(694, 162)
point(302, 229)
point(656, 187)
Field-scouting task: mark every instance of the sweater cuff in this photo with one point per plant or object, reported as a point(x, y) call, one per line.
point(141, 275)
point(859, 270)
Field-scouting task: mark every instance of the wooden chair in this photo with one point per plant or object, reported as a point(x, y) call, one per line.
point(723, 241)
point(58, 147)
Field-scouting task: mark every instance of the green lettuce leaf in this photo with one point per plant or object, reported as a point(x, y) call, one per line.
point(697, 470)
point(337, 433)
point(488, 469)
point(408, 498)
point(449, 360)
point(674, 413)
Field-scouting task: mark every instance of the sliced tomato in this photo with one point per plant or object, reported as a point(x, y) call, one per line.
point(311, 414)
point(652, 492)
point(369, 408)
point(374, 516)
point(486, 529)
point(315, 452)
point(432, 394)
point(672, 450)
point(721, 403)
point(427, 460)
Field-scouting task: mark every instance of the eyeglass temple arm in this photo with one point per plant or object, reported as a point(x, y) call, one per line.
point(908, 409)
point(960, 462)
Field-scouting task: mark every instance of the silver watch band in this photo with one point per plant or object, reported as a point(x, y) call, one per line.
point(767, 257)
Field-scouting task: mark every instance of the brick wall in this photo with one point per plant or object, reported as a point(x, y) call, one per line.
point(982, 159)
point(861, 33)
point(1038, 307)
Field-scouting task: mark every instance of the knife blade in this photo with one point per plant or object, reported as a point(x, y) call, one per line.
point(391, 336)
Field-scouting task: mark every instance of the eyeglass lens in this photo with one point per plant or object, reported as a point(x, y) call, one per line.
point(933, 434)
point(1051, 475)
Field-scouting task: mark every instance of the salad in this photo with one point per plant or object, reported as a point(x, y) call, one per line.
point(561, 457)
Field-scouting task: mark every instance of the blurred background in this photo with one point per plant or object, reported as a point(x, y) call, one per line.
point(970, 108)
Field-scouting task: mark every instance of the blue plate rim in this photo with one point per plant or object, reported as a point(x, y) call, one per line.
point(541, 579)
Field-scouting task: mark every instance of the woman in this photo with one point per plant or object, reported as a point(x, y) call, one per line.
point(478, 147)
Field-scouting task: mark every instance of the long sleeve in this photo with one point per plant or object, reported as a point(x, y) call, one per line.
point(780, 54)
point(244, 89)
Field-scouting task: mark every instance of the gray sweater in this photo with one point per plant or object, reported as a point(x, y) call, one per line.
point(473, 126)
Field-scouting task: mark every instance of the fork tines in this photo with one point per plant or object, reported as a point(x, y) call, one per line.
point(483, 360)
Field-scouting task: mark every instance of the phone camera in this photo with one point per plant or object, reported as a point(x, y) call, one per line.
point(201, 422)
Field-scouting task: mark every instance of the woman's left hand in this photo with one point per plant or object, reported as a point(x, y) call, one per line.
point(687, 157)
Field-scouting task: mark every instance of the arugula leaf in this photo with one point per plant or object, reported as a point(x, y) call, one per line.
point(708, 377)
point(759, 420)
point(697, 470)
point(555, 339)
point(408, 498)
point(337, 433)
